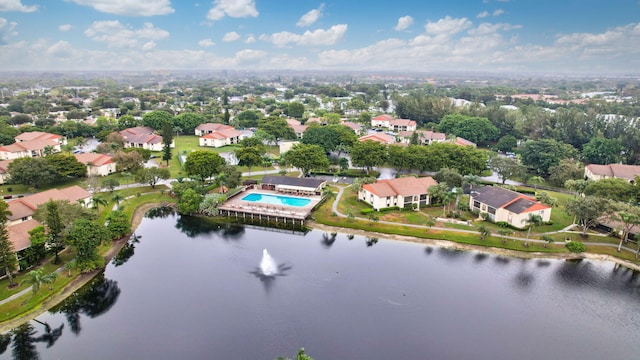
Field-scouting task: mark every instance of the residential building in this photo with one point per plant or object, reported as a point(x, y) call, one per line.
point(596, 172)
point(97, 164)
point(39, 135)
point(406, 192)
point(503, 205)
point(208, 128)
point(388, 122)
point(379, 137)
point(357, 128)
point(143, 137)
point(424, 137)
point(4, 170)
point(293, 185)
point(33, 148)
point(299, 130)
point(463, 142)
point(287, 145)
point(22, 209)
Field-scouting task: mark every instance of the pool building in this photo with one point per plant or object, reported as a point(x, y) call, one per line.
point(276, 199)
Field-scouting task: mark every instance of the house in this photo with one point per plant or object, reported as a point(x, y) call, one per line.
point(22, 209)
point(220, 138)
point(39, 135)
point(357, 128)
point(208, 128)
point(379, 137)
point(143, 137)
point(596, 172)
point(463, 142)
point(32, 148)
point(293, 122)
point(508, 206)
point(4, 170)
point(97, 164)
point(287, 145)
point(293, 185)
point(388, 122)
point(424, 137)
point(299, 130)
point(406, 192)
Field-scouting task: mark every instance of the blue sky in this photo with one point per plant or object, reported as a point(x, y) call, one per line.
point(561, 36)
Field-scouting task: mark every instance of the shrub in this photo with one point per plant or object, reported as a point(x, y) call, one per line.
point(575, 246)
point(366, 211)
point(390, 208)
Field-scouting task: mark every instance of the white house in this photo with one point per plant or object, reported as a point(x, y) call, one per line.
point(97, 164)
point(402, 192)
point(143, 137)
point(389, 122)
point(39, 135)
point(379, 137)
point(424, 137)
point(33, 148)
point(505, 205)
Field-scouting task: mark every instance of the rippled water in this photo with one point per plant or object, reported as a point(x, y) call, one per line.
point(193, 290)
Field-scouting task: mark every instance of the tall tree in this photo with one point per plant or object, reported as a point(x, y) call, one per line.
point(203, 164)
point(8, 259)
point(36, 278)
point(152, 175)
point(368, 154)
point(307, 157)
point(167, 139)
point(35, 253)
point(543, 154)
point(532, 221)
point(587, 210)
point(55, 228)
point(85, 237)
point(157, 118)
point(602, 151)
point(505, 168)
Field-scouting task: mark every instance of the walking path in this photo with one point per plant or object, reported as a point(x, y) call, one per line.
point(334, 208)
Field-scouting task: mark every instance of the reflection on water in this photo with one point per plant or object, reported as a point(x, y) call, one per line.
point(179, 298)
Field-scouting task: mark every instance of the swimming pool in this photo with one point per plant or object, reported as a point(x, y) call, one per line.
point(277, 199)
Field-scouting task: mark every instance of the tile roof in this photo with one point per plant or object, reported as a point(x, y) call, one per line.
point(354, 126)
point(21, 207)
point(19, 234)
point(137, 131)
point(406, 186)
point(299, 129)
point(621, 171)
point(94, 158)
point(402, 122)
point(292, 122)
point(379, 137)
point(464, 142)
point(37, 135)
point(383, 117)
point(292, 181)
point(28, 145)
point(223, 134)
point(4, 165)
point(213, 127)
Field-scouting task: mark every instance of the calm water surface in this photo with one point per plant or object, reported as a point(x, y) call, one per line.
point(193, 291)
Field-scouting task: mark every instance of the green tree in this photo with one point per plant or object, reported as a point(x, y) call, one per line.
point(156, 119)
point(203, 164)
point(85, 237)
point(35, 253)
point(484, 232)
point(587, 210)
point(119, 224)
point(504, 233)
point(189, 121)
point(55, 228)
point(230, 176)
point(278, 128)
point(295, 109)
point(507, 143)
point(110, 183)
point(505, 168)
point(600, 150)
point(543, 154)
point(532, 221)
point(167, 139)
point(611, 188)
point(66, 165)
point(302, 355)
point(248, 118)
point(451, 177)
point(98, 201)
point(476, 129)
point(575, 246)
point(8, 259)
point(117, 197)
point(307, 157)
point(567, 169)
point(128, 161)
point(35, 172)
point(189, 202)
point(36, 278)
point(368, 154)
point(249, 156)
point(536, 180)
point(152, 175)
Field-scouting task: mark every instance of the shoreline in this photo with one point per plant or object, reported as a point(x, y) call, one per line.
point(467, 247)
point(81, 279)
point(139, 213)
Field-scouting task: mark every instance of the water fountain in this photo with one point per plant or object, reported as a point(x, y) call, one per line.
point(268, 266)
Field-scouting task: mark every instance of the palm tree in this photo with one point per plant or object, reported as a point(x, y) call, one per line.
point(35, 278)
point(531, 221)
point(117, 198)
point(430, 222)
point(504, 233)
point(97, 201)
point(484, 232)
point(536, 180)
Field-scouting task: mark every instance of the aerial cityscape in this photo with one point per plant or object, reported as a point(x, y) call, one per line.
point(319, 180)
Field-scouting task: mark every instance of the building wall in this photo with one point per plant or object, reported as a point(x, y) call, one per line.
point(103, 170)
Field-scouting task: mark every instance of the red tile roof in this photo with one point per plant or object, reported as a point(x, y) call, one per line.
point(37, 135)
point(406, 186)
point(20, 207)
point(95, 159)
point(379, 137)
point(621, 171)
point(19, 234)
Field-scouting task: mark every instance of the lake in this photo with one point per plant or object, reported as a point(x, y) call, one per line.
point(191, 289)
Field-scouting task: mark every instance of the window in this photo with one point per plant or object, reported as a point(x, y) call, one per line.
point(476, 204)
point(491, 211)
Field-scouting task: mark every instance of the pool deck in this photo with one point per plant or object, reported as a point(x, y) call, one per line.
point(236, 207)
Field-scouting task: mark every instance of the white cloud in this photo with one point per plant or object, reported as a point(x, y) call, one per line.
point(447, 27)
point(206, 43)
point(61, 49)
point(119, 36)
point(128, 7)
point(16, 5)
point(250, 39)
point(149, 45)
point(249, 56)
point(498, 12)
point(403, 23)
point(65, 27)
point(232, 8)
point(231, 36)
point(483, 14)
point(309, 38)
point(7, 30)
point(311, 17)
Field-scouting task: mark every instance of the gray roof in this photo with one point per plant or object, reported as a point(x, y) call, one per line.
point(494, 196)
point(292, 181)
point(520, 205)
